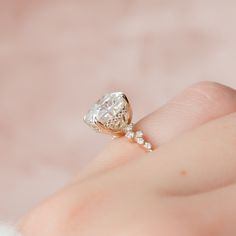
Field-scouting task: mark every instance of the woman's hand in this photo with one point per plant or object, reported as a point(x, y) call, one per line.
point(186, 187)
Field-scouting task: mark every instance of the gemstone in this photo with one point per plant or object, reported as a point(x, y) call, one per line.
point(140, 141)
point(148, 145)
point(110, 114)
point(130, 134)
point(139, 134)
point(129, 127)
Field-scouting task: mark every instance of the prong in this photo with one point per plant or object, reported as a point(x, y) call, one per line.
point(125, 97)
point(130, 112)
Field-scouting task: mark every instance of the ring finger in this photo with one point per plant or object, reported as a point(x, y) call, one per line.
point(196, 105)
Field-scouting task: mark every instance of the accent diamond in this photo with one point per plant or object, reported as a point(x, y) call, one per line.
point(129, 127)
point(140, 141)
point(139, 134)
point(130, 135)
point(148, 146)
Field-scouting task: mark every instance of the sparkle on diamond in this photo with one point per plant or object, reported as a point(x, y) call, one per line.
point(111, 110)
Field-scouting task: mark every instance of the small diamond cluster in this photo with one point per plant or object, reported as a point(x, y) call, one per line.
point(137, 136)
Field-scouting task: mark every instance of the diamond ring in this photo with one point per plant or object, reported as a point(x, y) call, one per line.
point(112, 114)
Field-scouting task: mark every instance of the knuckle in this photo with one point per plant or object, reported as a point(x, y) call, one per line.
point(213, 91)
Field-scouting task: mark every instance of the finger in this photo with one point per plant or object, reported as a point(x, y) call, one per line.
point(199, 161)
point(194, 106)
point(214, 211)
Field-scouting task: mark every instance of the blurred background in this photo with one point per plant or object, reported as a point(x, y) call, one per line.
point(58, 57)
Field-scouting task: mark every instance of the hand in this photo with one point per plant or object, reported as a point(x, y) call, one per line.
point(186, 187)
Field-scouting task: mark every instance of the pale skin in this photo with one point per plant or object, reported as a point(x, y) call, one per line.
point(186, 187)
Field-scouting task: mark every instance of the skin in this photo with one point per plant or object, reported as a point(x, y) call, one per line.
point(186, 187)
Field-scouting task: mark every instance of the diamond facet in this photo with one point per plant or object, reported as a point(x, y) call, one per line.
point(111, 114)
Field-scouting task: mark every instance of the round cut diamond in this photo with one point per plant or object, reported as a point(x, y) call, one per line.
point(129, 127)
point(139, 134)
point(148, 145)
point(111, 113)
point(140, 141)
point(130, 134)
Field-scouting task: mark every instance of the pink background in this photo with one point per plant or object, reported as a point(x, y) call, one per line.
point(58, 57)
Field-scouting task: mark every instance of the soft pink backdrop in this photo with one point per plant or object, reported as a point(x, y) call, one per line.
point(57, 57)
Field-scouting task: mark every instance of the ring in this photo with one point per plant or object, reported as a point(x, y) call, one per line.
point(112, 114)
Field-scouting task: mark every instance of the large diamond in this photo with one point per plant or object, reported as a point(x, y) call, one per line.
point(111, 113)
